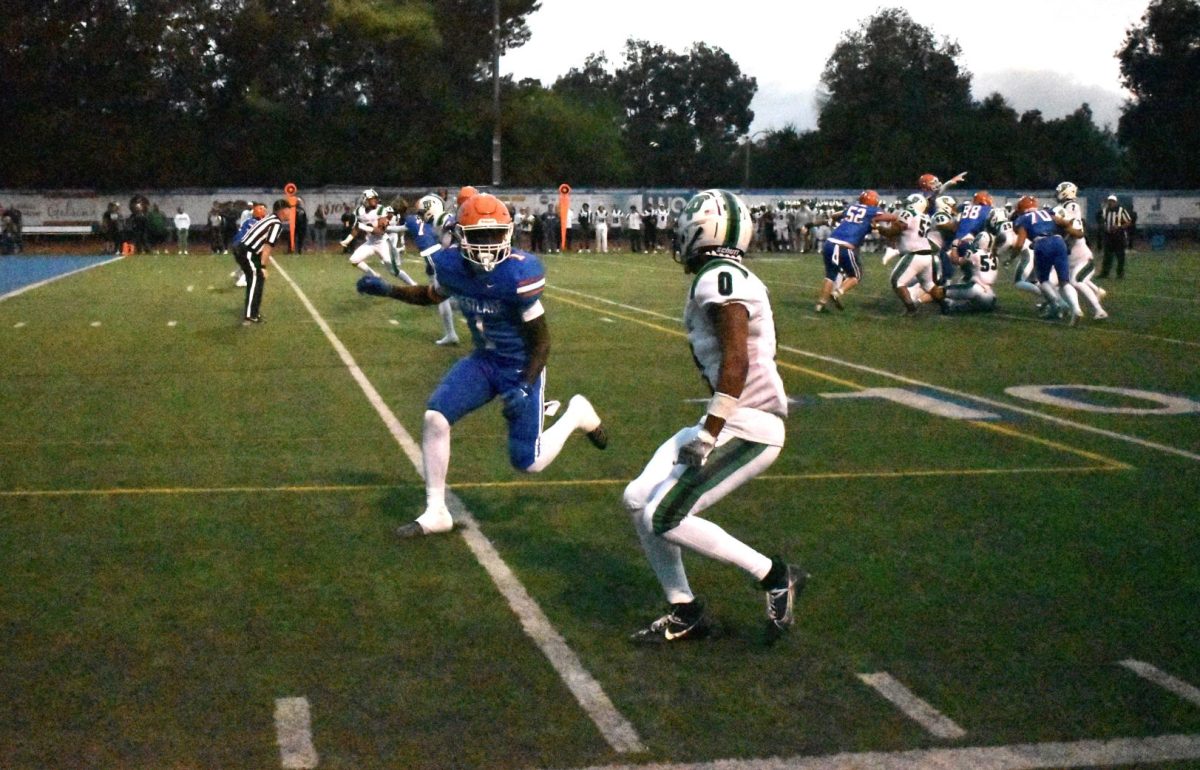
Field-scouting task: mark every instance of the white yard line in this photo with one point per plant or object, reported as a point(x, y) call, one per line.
point(1144, 443)
point(293, 731)
point(617, 730)
point(1164, 680)
point(934, 722)
point(1024, 756)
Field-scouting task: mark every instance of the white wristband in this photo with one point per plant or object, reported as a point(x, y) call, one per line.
point(722, 405)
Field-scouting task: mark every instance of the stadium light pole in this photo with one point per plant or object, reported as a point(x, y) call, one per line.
point(750, 141)
point(496, 93)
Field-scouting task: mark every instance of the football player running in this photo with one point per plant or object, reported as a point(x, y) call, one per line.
point(1049, 253)
point(1079, 255)
point(498, 289)
point(731, 331)
point(426, 228)
point(372, 220)
point(840, 252)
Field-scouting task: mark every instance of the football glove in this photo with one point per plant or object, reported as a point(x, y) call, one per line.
point(515, 400)
point(695, 453)
point(373, 284)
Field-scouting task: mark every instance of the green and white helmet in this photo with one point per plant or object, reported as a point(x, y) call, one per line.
point(1066, 191)
point(430, 207)
point(713, 224)
point(916, 203)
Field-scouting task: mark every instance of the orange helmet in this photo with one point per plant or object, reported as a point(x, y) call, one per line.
point(929, 183)
point(983, 198)
point(1027, 203)
point(464, 194)
point(484, 229)
point(868, 198)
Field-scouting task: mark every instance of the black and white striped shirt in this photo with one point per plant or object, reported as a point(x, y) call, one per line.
point(264, 232)
point(1116, 219)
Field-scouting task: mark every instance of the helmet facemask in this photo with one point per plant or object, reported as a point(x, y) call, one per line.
point(486, 244)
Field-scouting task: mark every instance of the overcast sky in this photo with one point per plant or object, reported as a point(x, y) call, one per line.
point(1039, 55)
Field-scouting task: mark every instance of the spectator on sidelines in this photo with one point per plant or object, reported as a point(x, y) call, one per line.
point(633, 229)
point(650, 229)
point(110, 225)
point(301, 215)
point(156, 227)
point(318, 227)
point(216, 229)
point(183, 227)
point(601, 230)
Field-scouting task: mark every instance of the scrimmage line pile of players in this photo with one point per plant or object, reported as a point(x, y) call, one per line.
point(932, 235)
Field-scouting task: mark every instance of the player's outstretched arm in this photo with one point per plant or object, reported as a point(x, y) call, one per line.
point(413, 295)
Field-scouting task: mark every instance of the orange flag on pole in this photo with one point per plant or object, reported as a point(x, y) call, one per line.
point(564, 205)
point(289, 194)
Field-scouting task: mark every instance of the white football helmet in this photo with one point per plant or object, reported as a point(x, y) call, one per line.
point(1066, 191)
point(430, 207)
point(916, 203)
point(368, 193)
point(996, 220)
point(714, 223)
point(944, 204)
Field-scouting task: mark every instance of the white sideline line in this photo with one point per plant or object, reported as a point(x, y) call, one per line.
point(1023, 756)
point(936, 723)
point(918, 383)
point(293, 731)
point(1164, 680)
point(54, 278)
point(615, 728)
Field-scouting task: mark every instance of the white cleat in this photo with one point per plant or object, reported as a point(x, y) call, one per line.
point(1099, 316)
point(447, 340)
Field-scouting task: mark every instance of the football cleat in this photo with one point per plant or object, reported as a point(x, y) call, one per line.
point(447, 340)
point(836, 299)
point(431, 522)
point(684, 623)
point(589, 421)
point(781, 600)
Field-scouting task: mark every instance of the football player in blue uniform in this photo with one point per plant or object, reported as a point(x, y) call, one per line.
point(1042, 227)
point(840, 251)
point(971, 222)
point(498, 289)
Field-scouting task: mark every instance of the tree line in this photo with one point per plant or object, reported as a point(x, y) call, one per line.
point(121, 94)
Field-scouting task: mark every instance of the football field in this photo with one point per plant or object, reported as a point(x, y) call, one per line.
point(1001, 516)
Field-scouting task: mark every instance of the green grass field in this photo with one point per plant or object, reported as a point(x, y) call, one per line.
point(196, 523)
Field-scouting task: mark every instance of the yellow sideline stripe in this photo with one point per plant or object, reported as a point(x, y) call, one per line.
point(1106, 461)
point(317, 489)
point(1116, 465)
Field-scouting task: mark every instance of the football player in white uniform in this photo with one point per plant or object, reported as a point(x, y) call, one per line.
point(731, 331)
point(1004, 238)
point(372, 220)
point(1079, 256)
point(980, 266)
point(944, 222)
point(916, 264)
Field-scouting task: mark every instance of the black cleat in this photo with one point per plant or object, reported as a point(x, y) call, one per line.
point(781, 600)
point(598, 437)
point(684, 623)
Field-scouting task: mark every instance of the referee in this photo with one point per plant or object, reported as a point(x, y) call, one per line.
point(1116, 232)
point(253, 253)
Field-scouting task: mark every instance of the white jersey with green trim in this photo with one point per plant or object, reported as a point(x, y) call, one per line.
point(914, 237)
point(763, 403)
point(367, 219)
point(1078, 249)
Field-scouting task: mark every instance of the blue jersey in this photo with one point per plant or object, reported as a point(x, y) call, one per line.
point(497, 303)
point(973, 220)
point(245, 228)
point(426, 237)
point(854, 225)
point(1038, 223)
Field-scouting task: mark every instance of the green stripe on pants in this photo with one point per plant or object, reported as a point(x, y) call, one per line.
point(696, 482)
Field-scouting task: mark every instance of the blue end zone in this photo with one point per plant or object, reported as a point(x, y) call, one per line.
point(19, 272)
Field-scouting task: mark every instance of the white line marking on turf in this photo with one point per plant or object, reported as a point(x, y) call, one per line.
point(1146, 444)
point(1024, 756)
point(52, 279)
point(914, 708)
point(615, 728)
point(293, 731)
point(1164, 680)
point(94, 324)
point(18, 324)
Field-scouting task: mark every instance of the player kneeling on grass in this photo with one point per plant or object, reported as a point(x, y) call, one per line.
point(731, 331)
point(498, 290)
